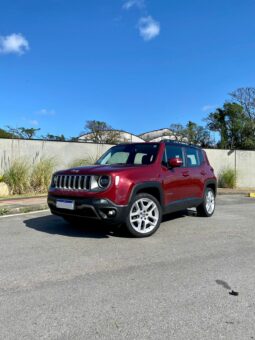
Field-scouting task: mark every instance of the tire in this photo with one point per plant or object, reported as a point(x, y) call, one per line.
point(207, 208)
point(144, 215)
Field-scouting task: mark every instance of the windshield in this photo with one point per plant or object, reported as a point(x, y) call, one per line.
point(130, 154)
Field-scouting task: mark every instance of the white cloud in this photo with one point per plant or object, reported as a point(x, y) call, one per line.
point(133, 3)
point(13, 43)
point(148, 28)
point(45, 112)
point(208, 107)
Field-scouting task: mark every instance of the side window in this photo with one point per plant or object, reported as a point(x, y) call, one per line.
point(172, 151)
point(201, 156)
point(193, 158)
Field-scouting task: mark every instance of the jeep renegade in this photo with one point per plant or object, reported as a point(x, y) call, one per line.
point(135, 184)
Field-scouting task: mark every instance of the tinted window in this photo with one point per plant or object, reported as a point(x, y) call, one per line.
point(130, 154)
point(192, 157)
point(172, 151)
point(201, 156)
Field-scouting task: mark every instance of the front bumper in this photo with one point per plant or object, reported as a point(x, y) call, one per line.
point(89, 208)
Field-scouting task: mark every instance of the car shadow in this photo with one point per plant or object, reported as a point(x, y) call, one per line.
point(57, 226)
point(178, 214)
point(89, 229)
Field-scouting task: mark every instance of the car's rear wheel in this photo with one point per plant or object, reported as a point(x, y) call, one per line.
point(206, 209)
point(144, 215)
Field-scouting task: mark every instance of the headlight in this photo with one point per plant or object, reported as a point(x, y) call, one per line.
point(99, 182)
point(103, 181)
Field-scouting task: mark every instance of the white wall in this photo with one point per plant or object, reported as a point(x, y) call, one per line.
point(33, 150)
point(66, 152)
point(243, 162)
point(245, 167)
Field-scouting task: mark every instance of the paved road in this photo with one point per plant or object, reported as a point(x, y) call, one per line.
point(94, 283)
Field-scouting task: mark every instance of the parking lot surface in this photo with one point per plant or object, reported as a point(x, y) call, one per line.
point(91, 282)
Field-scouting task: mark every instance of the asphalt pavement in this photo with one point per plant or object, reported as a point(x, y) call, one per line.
point(92, 282)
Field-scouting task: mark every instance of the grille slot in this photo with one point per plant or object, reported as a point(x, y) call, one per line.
point(72, 182)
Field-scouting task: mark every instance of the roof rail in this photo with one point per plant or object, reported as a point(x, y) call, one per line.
point(180, 143)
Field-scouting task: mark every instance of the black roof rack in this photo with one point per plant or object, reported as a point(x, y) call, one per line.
point(180, 143)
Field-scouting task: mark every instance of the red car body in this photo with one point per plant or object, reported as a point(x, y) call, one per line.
point(176, 183)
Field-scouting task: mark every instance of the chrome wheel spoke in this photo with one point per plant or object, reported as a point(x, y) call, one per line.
point(153, 218)
point(147, 222)
point(139, 224)
point(150, 206)
point(136, 219)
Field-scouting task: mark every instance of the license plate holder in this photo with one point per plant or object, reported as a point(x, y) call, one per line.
point(65, 204)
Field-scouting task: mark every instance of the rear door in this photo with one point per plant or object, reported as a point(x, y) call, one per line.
point(195, 167)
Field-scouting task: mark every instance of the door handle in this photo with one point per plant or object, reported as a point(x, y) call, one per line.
point(202, 172)
point(185, 173)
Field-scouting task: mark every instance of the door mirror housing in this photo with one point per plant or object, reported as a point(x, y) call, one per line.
point(175, 162)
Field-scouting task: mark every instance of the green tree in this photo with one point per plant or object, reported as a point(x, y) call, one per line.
point(236, 128)
point(198, 135)
point(245, 96)
point(54, 137)
point(22, 132)
point(178, 132)
point(192, 133)
point(6, 134)
point(101, 132)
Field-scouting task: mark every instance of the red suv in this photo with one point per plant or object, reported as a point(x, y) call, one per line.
point(135, 184)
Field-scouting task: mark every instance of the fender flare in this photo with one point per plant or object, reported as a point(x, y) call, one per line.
point(147, 185)
point(211, 181)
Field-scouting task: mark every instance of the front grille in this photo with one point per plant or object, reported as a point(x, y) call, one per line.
point(72, 182)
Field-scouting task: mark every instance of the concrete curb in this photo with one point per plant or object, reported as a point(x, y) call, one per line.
point(225, 191)
point(8, 210)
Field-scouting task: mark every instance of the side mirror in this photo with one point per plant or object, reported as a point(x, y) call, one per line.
point(175, 162)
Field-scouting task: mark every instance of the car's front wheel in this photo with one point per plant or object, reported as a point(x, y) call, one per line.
point(206, 209)
point(144, 215)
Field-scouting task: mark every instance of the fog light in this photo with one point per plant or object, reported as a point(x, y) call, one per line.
point(111, 213)
point(102, 201)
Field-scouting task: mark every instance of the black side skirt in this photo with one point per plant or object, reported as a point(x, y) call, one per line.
point(182, 205)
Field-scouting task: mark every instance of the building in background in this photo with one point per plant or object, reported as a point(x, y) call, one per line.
point(127, 137)
point(157, 135)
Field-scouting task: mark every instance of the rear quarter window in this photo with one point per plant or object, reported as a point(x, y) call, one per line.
point(193, 157)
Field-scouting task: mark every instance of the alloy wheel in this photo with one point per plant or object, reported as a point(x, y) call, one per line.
point(144, 215)
point(210, 202)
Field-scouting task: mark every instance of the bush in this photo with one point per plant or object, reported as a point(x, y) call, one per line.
point(41, 175)
point(17, 177)
point(227, 178)
point(82, 162)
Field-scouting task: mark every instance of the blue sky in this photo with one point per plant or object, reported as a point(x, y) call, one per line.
point(139, 65)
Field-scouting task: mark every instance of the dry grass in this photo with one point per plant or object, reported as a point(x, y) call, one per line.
point(83, 162)
point(41, 175)
point(17, 177)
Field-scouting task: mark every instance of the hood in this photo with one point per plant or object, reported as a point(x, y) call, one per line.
point(100, 169)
